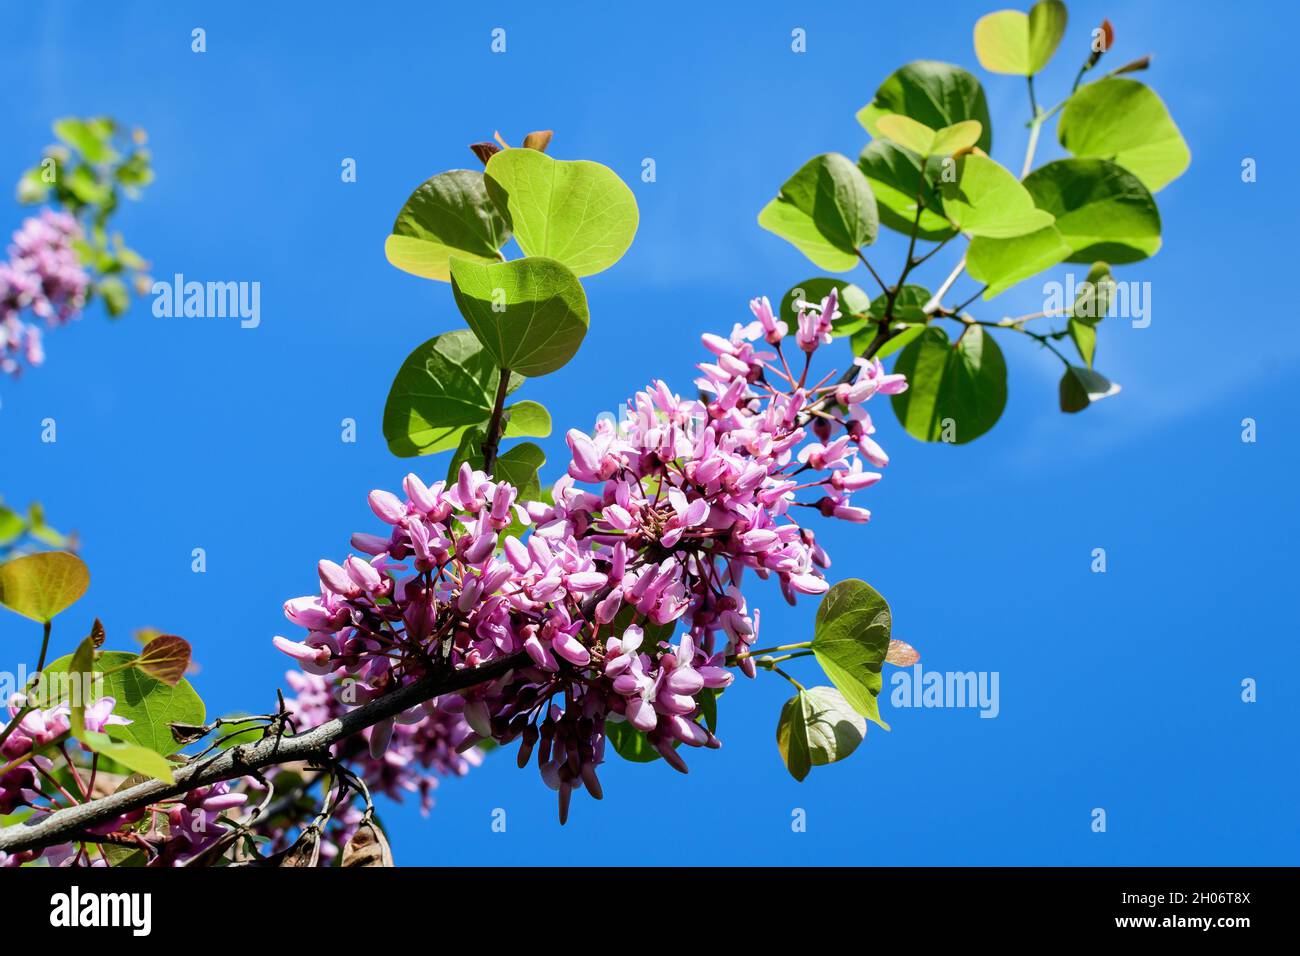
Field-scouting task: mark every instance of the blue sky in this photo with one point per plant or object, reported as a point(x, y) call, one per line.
point(1119, 690)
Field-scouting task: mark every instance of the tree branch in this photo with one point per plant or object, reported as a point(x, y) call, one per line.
point(65, 825)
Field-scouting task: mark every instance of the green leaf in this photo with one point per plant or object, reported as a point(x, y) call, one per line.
point(923, 140)
point(630, 743)
point(987, 200)
point(447, 215)
point(39, 586)
point(446, 385)
point(850, 640)
point(955, 393)
point(1102, 210)
point(1080, 387)
point(89, 137)
point(1084, 337)
point(151, 705)
point(826, 210)
point(576, 212)
point(936, 94)
point(894, 175)
point(1001, 263)
point(12, 525)
point(817, 727)
point(1012, 42)
point(1125, 121)
point(854, 304)
point(82, 662)
point(114, 292)
point(708, 698)
point(134, 757)
point(530, 314)
point(906, 132)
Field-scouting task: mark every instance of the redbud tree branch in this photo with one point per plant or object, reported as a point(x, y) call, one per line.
point(70, 823)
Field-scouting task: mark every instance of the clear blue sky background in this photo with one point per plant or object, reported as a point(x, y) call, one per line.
point(1119, 691)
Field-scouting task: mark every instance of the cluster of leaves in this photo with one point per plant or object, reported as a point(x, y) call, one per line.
point(526, 316)
point(96, 162)
point(149, 687)
point(928, 175)
point(24, 533)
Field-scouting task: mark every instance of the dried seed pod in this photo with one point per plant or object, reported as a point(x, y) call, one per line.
point(305, 850)
point(368, 846)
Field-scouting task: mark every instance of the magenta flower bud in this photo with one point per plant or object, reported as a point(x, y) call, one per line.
point(499, 574)
point(369, 543)
point(307, 612)
point(671, 756)
point(687, 731)
point(873, 452)
point(502, 501)
point(608, 607)
point(641, 714)
point(586, 460)
point(516, 554)
point(480, 547)
point(476, 715)
point(685, 680)
point(540, 655)
point(808, 583)
point(571, 649)
point(335, 579)
point(625, 685)
point(716, 677)
point(301, 652)
point(586, 581)
point(364, 574)
point(850, 513)
point(419, 493)
point(591, 781)
point(387, 506)
point(469, 594)
point(219, 802)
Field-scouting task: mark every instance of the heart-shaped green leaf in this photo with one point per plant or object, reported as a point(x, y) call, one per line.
point(850, 640)
point(530, 314)
point(41, 585)
point(1102, 210)
point(817, 727)
point(447, 215)
point(1001, 263)
point(1080, 387)
point(445, 386)
point(986, 199)
point(1012, 42)
point(150, 705)
point(894, 175)
point(576, 212)
point(906, 132)
point(955, 392)
point(936, 94)
point(1125, 121)
point(826, 210)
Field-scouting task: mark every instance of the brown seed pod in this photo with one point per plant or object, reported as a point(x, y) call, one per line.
point(368, 846)
point(305, 850)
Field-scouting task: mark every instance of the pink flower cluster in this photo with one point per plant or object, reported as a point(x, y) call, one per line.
point(655, 528)
point(43, 275)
